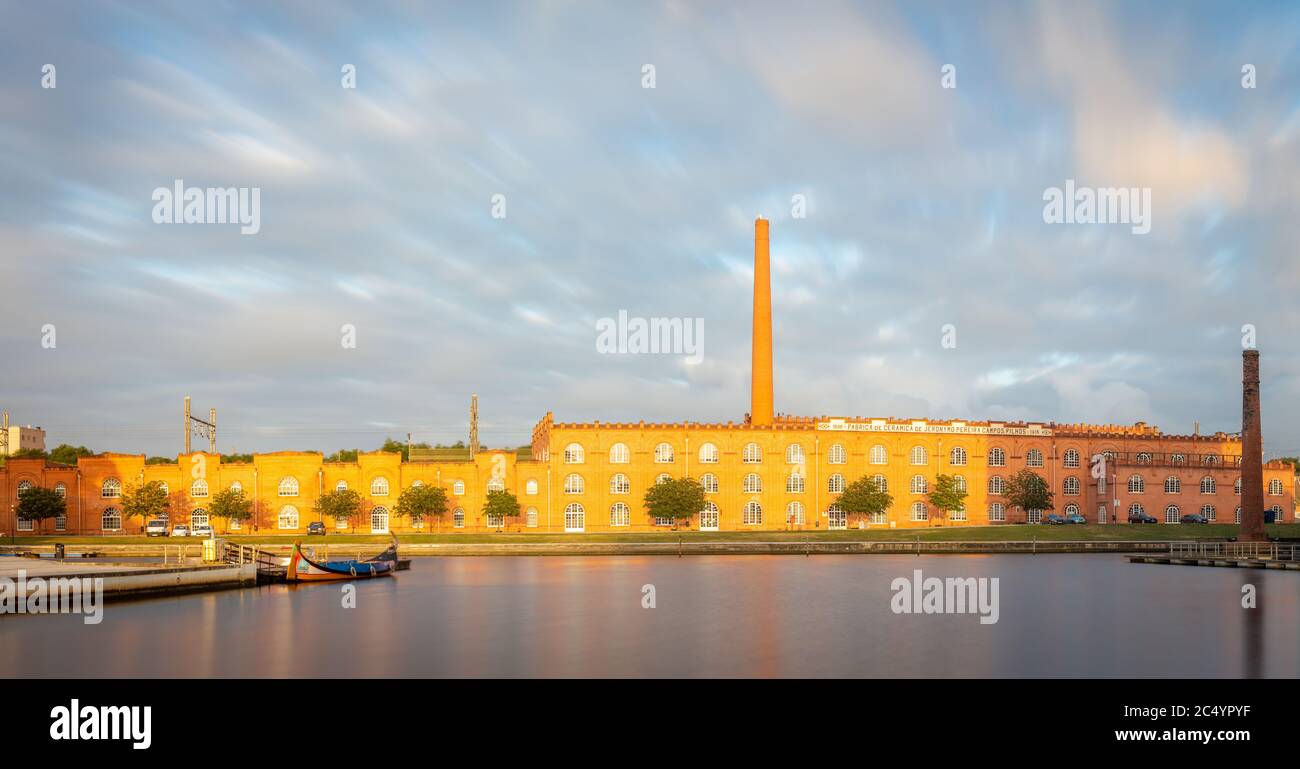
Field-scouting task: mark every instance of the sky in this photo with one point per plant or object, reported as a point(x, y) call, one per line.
point(922, 214)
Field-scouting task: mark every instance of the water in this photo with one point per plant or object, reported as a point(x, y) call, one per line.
point(1060, 615)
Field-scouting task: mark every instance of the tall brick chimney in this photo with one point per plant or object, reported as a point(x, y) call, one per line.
point(1252, 452)
point(760, 391)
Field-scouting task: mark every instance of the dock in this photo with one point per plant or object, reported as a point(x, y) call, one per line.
point(123, 579)
point(1239, 555)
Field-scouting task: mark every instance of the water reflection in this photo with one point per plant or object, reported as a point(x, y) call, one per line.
point(1060, 615)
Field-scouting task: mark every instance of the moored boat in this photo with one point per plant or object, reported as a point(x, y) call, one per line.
point(304, 569)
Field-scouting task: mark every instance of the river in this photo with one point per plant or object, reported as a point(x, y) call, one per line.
point(767, 616)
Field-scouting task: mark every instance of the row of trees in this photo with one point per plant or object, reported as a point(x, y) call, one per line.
point(681, 498)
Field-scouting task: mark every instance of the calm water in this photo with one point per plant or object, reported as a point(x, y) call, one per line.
point(1060, 615)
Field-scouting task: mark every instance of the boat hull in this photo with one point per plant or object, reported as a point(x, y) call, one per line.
point(303, 569)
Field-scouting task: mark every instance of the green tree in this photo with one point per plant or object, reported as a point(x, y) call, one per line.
point(29, 454)
point(159, 461)
point(864, 498)
point(420, 502)
point(946, 497)
point(1028, 490)
point(343, 455)
point(1294, 462)
point(397, 447)
point(39, 503)
point(231, 505)
point(67, 455)
point(145, 501)
point(236, 459)
point(499, 506)
point(675, 498)
point(339, 503)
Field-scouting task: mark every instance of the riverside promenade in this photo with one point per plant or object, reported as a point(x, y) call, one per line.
point(126, 578)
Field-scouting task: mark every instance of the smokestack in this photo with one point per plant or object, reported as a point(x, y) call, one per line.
point(760, 392)
point(1252, 452)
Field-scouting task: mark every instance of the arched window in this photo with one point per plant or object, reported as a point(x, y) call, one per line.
point(573, 454)
point(837, 518)
point(111, 519)
point(619, 484)
point(531, 518)
point(496, 484)
point(1136, 485)
point(997, 512)
point(1173, 485)
point(619, 455)
point(708, 454)
point(417, 483)
point(794, 513)
point(1171, 514)
point(1208, 486)
point(920, 512)
point(752, 454)
point(620, 515)
point(1071, 486)
point(198, 489)
point(237, 487)
point(710, 483)
point(111, 489)
point(288, 518)
point(341, 486)
point(753, 514)
point(919, 485)
point(837, 455)
point(879, 455)
point(1209, 512)
point(458, 519)
point(1144, 457)
point(1209, 459)
point(794, 484)
point(530, 488)
point(23, 488)
point(957, 457)
point(61, 490)
point(709, 517)
point(573, 484)
point(1237, 516)
point(198, 517)
point(663, 453)
point(959, 483)
point(1236, 487)
point(289, 488)
point(663, 478)
point(575, 518)
point(1071, 458)
point(1178, 459)
point(1071, 509)
point(1034, 458)
point(753, 484)
point(1275, 488)
point(997, 485)
point(458, 488)
point(163, 485)
point(1136, 509)
point(919, 456)
point(495, 521)
point(997, 457)
point(835, 484)
point(1277, 513)
point(881, 482)
point(379, 487)
point(794, 454)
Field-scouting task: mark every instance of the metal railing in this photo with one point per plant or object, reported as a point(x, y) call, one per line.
point(1260, 551)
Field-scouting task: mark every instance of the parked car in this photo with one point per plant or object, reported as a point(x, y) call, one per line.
point(180, 530)
point(202, 530)
point(1054, 519)
point(315, 527)
point(1140, 518)
point(1193, 518)
point(1075, 518)
point(156, 528)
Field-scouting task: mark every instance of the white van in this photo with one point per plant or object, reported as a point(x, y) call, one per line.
point(156, 528)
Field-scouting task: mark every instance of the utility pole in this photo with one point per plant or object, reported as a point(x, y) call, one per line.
point(185, 425)
point(473, 426)
point(192, 424)
point(212, 435)
point(4, 436)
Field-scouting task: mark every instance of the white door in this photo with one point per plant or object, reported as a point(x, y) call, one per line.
point(379, 520)
point(575, 518)
point(709, 518)
point(838, 518)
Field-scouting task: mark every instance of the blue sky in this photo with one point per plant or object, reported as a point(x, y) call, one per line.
point(924, 209)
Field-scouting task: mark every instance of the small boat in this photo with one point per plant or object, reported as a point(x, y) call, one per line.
point(304, 569)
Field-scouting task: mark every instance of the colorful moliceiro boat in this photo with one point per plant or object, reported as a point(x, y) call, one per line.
point(304, 569)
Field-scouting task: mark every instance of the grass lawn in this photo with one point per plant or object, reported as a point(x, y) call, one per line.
point(1160, 532)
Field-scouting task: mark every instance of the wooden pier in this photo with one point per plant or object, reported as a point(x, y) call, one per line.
point(1240, 555)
